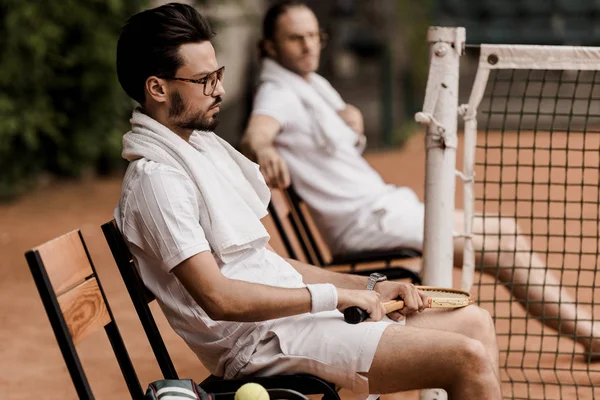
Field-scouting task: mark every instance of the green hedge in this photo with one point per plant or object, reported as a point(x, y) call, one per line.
point(62, 110)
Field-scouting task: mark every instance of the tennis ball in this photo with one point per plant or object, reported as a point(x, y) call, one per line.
point(251, 391)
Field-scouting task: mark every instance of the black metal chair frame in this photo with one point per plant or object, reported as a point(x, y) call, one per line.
point(64, 338)
point(140, 296)
point(313, 254)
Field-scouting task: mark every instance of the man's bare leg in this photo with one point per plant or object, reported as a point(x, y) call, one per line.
point(430, 353)
point(475, 323)
point(537, 287)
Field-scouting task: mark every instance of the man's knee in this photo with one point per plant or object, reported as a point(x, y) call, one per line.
point(473, 357)
point(487, 321)
point(478, 323)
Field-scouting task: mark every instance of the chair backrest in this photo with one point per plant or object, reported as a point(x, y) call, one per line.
point(286, 205)
point(76, 306)
point(140, 296)
point(289, 210)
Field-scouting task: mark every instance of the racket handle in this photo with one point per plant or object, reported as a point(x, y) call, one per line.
point(355, 315)
point(393, 305)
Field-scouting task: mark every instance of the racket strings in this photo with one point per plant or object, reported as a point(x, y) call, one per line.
point(440, 293)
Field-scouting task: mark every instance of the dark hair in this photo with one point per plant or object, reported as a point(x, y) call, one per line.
point(149, 44)
point(270, 20)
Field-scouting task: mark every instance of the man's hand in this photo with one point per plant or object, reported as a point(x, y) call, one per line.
point(414, 299)
point(353, 118)
point(273, 168)
point(368, 300)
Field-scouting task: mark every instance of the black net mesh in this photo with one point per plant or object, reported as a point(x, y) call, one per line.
point(538, 163)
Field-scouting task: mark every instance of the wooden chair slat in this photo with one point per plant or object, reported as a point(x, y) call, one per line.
point(84, 309)
point(76, 306)
point(296, 225)
point(66, 261)
point(280, 203)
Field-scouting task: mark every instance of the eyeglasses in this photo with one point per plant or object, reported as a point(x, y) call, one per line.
point(209, 81)
point(320, 36)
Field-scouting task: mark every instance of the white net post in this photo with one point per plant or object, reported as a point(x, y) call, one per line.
point(439, 114)
point(469, 113)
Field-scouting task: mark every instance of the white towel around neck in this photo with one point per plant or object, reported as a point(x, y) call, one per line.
point(321, 101)
point(233, 189)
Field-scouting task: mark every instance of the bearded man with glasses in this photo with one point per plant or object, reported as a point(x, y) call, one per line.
point(190, 212)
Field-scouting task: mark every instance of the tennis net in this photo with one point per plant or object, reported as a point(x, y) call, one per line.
point(537, 163)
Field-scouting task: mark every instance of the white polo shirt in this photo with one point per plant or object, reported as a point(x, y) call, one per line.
point(158, 214)
point(335, 186)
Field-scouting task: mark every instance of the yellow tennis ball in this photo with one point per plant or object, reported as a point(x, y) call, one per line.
point(251, 391)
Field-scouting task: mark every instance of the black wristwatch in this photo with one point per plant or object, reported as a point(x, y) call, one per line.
point(374, 278)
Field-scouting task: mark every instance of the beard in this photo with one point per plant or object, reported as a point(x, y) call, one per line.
point(186, 117)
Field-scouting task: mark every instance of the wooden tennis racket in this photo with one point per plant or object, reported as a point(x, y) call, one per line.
point(437, 298)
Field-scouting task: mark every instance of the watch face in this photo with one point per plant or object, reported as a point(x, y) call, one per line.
point(377, 276)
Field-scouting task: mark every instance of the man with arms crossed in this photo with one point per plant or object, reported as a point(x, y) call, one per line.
point(190, 211)
point(301, 128)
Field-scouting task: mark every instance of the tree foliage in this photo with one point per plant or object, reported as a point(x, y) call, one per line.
point(61, 107)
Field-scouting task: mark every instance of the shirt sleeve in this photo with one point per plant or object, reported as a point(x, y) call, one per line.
point(162, 217)
point(276, 102)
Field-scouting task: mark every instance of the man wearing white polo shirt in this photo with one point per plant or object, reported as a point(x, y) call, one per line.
point(190, 212)
point(301, 131)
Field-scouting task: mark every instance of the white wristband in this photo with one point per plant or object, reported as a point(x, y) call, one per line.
point(323, 297)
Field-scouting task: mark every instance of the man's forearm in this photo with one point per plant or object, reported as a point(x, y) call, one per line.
point(228, 299)
point(261, 302)
point(388, 290)
point(260, 134)
point(312, 274)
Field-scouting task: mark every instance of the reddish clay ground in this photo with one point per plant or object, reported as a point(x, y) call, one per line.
point(31, 365)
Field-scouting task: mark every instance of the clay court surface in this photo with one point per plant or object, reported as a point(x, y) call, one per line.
point(31, 365)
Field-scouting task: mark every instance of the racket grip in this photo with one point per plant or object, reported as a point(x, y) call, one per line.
point(355, 315)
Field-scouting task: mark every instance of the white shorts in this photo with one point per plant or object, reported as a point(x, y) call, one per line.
point(320, 344)
point(394, 220)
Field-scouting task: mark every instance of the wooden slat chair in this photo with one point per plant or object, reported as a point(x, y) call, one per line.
point(286, 205)
point(141, 297)
point(76, 306)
